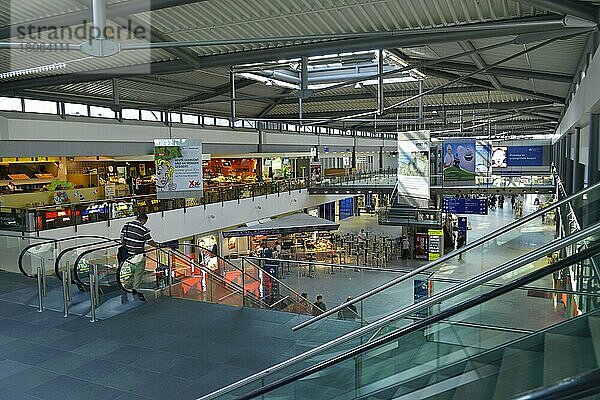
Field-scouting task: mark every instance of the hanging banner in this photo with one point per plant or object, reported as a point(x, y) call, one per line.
point(178, 168)
point(525, 156)
point(459, 161)
point(413, 167)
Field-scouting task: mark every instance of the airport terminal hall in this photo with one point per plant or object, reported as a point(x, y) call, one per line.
point(299, 199)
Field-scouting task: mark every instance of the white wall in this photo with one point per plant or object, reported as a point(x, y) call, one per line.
point(36, 129)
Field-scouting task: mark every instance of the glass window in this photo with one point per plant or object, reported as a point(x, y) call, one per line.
point(151, 115)
point(130, 113)
point(101, 112)
point(221, 122)
point(208, 120)
point(238, 124)
point(250, 124)
point(76, 109)
point(42, 107)
point(189, 119)
point(10, 104)
point(175, 117)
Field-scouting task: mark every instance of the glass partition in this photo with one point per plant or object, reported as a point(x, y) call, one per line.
point(421, 348)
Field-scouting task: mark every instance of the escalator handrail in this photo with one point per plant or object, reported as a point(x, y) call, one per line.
point(56, 241)
point(447, 257)
point(221, 259)
point(308, 307)
point(449, 312)
point(210, 272)
point(119, 268)
point(437, 298)
point(572, 388)
point(65, 251)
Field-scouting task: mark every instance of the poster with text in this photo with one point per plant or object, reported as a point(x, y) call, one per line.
point(459, 160)
point(178, 168)
point(525, 156)
point(413, 165)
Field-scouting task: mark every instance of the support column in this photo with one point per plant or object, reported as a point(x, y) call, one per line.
point(569, 168)
point(576, 173)
point(594, 149)
point(381, 158)
point(259, 125)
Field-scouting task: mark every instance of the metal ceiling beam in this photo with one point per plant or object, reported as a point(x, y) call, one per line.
point(509, 72)
point(389, 94)
point(410, 38)
point(566, 7)
point(509, 105)
point(122, 9)
point(128, 22)
point(511, 89)
point(200, 97)
point(466, 45)
point(265, 111)
point(168, 83)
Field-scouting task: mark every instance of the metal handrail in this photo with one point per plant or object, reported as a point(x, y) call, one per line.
point(572, 388)
point(449, 312)
point(241, 270)
point(298, 295)
point(444, 295)
point(448, 256)
point(576, 221)
point(65, 251)
point(323, 264)
point(56, 241)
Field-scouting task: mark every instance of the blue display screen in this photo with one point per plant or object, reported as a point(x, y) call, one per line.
point(454, 205)
point(525, 156)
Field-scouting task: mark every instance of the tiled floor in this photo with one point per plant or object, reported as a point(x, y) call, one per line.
point(167, 349)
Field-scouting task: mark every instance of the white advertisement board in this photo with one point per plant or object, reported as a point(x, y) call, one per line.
point(413, 167)
point(178, 168)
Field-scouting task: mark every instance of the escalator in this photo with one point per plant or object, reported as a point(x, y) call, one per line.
point(413, 358)
point(35, 259)
point(203, 277)
point(409, 345)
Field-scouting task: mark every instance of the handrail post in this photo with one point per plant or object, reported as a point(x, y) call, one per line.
point(43, 263)
point(40, 292)
point(243, 283)
point(170, 271)
point(69, 280)
point(93, 290)
point(66, 290)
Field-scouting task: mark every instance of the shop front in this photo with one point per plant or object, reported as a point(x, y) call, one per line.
point(300, 237)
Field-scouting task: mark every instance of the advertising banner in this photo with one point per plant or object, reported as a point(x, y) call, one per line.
point(413, 164)
point(525, 156)
point(459, 160)
point(421, 246)
point(499, 157)
point(483, 159)
point(436, 238)
point(178, 168)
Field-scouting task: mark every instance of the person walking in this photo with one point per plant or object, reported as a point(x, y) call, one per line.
point(319, 306)
point(405, 243)
point(134, 237)
point(349, 312)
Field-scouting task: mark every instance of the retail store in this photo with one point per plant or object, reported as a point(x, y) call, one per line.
point(301, 237)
